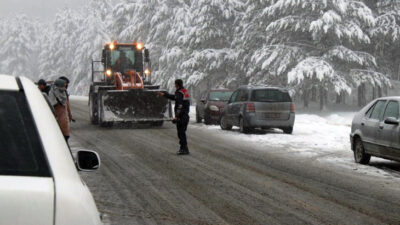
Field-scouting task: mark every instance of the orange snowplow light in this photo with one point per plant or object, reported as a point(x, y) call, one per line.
point(139, 46)
point(108, 72)
point(112, 46)
point(147, 72)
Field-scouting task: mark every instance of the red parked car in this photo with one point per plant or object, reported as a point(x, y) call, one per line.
point(211, 104)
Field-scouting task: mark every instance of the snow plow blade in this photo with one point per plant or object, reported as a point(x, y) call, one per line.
point(133, 106)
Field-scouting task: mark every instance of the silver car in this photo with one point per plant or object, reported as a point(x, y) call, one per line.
point(375, 131)
point(259, 107)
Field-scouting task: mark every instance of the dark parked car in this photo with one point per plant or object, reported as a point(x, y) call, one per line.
point(259, 107)
point(211, 104)
point(375, 131)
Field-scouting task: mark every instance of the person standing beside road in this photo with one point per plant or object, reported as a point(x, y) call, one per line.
point(68, 105)
point(58, 99)
point(43, 87)
point(182, 107)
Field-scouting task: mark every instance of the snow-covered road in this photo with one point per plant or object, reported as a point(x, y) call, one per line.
point(232, 178)
point(323, 138)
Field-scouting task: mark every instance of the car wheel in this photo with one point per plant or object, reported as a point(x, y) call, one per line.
point(224, 125)
point(243, 128)
point(198, 118)
point(359, 153)
point(288, 130)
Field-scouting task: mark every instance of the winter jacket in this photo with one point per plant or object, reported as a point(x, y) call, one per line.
point(59, 100)
point(63, 118)
point(182, 102)
point(46, 90)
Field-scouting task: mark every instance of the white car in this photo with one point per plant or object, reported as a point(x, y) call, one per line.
point(39, 180)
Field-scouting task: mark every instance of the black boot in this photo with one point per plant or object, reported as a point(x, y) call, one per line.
point(183, 151)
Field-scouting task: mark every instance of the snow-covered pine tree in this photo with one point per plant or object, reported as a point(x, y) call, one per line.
point(74, 39)
point(19, 46)
point(160, 25)
point(386, 36)
point(103, 9)
point(92, 37)
point(173, 51)
point(259, 60)
point(207, 42)
point(3, 32)
point(328, 37)
point(59, 43)
point(132, 19)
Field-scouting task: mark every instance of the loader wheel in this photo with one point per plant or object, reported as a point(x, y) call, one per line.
point(93, 109)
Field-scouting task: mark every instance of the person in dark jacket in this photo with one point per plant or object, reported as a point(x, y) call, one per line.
point(182, 107)
point(43, 87)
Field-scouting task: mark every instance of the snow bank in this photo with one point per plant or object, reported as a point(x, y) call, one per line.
point(79, 98)
point(323, 139)
point(312, 134)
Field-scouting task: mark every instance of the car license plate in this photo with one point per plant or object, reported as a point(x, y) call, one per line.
point(272, 115)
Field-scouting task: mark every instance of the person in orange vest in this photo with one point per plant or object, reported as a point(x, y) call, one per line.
point(182, 108)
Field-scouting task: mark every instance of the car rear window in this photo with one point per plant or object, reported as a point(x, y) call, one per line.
point(270, 95)
point(20, 148)
point(220, 95)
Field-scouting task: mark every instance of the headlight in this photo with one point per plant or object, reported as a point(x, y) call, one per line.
point(214, 108)
point(139, 46)
point(108, 72)
point(112, 46)
point(147, 72)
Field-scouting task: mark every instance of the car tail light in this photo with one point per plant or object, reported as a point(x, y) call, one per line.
point(250, 107)
point(292, 107)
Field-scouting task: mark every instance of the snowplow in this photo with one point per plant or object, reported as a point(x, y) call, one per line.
point(125, 93)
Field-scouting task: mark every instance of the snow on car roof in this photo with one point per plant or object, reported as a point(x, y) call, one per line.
point(389, 98)
point(222, 89)
point(8, 83)
point(257, 87)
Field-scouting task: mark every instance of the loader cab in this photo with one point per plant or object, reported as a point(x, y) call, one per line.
point(122, 60)
point(119, 57)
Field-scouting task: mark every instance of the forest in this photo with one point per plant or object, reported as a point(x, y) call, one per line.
point(324, 51)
